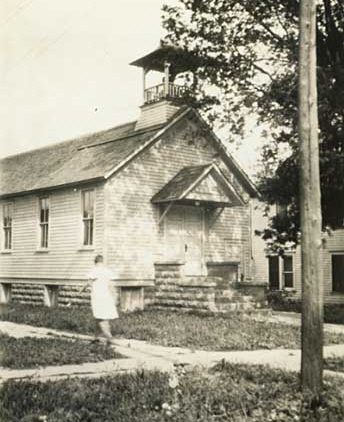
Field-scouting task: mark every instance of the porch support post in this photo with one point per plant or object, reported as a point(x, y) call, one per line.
point(5, 292)
point(167, 77)
point(165, 212)
point(51, 295)
point(144, 73)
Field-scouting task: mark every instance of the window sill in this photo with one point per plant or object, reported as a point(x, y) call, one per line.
point(6, 252)
point(41, 250)
point(86, 248)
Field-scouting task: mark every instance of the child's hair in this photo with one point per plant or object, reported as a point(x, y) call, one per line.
point(98, 258)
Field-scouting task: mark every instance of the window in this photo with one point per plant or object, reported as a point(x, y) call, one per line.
point(7, 217)
point(338, 273)
point(44, 222)
point(274, 270)
point(288, 276)
point(281, 273)
point(88, 216)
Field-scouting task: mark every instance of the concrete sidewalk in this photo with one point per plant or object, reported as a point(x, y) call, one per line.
point(142, 355)
point(293, 318)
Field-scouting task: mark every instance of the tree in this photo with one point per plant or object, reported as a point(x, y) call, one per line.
point(249, 55)
point(312, 294)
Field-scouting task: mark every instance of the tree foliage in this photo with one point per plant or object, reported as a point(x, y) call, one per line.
point(249, 53)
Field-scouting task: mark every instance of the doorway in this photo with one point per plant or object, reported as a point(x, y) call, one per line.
point(184, 237)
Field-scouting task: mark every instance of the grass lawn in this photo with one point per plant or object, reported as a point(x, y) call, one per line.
point(234, 332)
point(334, 364)
point(225, 393)
point(27, 352)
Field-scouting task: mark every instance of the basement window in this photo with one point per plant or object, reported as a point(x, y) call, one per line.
point(338, 273)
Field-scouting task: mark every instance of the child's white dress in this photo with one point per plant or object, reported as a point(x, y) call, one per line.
point(102, 299)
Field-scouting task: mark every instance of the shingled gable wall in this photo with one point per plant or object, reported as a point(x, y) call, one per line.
point(134, 239)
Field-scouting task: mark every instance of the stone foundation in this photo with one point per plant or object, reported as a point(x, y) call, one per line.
point(218, 292)
point(127, 298)
point(174, 291)
point(31, 294)
point(71, 295)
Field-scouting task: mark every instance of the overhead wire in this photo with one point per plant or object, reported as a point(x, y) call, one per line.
point(45, 43)
point(21, 6)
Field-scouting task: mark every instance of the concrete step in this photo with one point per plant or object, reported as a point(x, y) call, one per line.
point(234, 306)
point(180, 304)
point(227, 298)
point(180, 295)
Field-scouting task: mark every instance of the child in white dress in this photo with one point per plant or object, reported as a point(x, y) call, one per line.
point(102, 301)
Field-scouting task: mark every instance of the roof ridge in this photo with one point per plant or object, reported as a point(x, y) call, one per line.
point(85, 135)
point(134, 133)
point(210, 163)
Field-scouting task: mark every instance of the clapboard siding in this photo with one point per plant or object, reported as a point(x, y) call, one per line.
point(333, 243)
point(135, 241)
point(65, 258)
point(156, 113)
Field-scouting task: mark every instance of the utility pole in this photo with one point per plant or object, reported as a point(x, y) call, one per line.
point(310, 206)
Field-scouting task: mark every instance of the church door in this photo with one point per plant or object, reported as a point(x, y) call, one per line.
point(184, 228)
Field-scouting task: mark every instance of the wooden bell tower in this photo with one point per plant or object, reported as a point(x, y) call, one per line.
point(161, 101)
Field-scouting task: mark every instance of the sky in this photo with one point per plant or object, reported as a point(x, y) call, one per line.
point(64, 69)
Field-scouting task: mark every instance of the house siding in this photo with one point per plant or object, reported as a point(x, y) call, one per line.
point(64, 259)
point(135, 242)
point(260, 264)
point(333, 243)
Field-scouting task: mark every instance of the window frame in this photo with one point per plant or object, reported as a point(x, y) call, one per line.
point(335, 292)
point(281, 270)
point(9, 228)
point(88, 219)
point(41, 224)
point(284, 272)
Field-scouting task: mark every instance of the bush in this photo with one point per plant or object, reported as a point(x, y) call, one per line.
point(334, 364)
point(334, 314)
point(283, 300)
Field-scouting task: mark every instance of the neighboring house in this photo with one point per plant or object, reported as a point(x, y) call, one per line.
point(284, 272)
point(160, 198)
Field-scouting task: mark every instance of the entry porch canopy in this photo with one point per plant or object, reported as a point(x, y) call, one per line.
point(202, 185)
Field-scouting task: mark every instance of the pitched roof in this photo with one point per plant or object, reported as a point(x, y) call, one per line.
point(180, 183)
point(93, 157)
point(86, 158)
point(204, 183)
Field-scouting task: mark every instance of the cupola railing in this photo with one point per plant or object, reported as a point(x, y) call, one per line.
point(163, 90)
